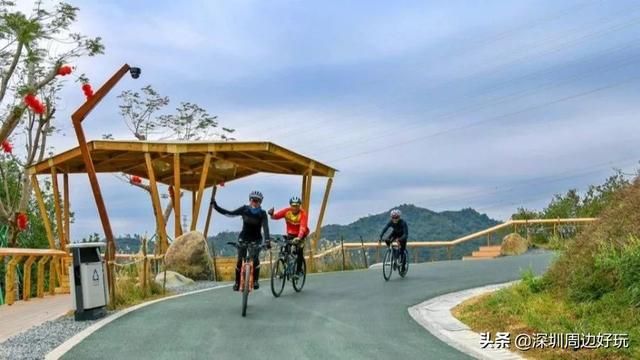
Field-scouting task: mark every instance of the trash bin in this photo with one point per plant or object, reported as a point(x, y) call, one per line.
point(88, 284)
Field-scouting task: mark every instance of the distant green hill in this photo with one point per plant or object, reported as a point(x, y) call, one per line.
point(424, 225)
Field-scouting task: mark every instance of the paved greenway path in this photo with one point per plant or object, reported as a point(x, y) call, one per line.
point(343, 315)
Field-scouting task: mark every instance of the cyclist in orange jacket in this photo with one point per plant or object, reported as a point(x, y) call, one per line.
point(297, 226)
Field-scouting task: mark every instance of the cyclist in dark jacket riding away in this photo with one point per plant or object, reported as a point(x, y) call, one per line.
point(253, 219)
point(399, 233)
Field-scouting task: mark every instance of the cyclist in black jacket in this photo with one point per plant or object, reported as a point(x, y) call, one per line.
point(253, 218)
point(400, 232)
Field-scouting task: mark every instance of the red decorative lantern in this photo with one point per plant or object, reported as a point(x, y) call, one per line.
point(171, 192)
point(64, 70)
point(30, 99)
point(22, 221)
point(136, 180)
point(6, 147)
point(221, 184)
point(88, 91)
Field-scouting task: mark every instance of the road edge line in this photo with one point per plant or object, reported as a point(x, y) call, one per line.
point(77, 338)
point(435, 316)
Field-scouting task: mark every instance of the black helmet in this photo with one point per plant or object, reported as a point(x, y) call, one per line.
point(295, 201)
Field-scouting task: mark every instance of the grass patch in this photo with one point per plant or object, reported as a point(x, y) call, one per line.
point(129, 291)
point(529, 307)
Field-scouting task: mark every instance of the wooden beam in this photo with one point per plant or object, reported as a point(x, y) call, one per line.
point(10, 277)
point(177, 191)
point(323, 207)
point(203, 182)
point(67, 212)
point(287, 170)
point(155, 199)
point(43, 211)
point(26, 288)
point(40, 281)
point(57, 207)
point(194, 195)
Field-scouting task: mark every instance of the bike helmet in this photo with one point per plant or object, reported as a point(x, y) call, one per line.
point(295, 201)
point(395, 214)
point(256, 195)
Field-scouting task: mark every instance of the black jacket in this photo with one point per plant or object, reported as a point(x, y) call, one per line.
point(400, 230)
point(251, 222)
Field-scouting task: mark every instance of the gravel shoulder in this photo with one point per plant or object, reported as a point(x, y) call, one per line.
point(37, 341)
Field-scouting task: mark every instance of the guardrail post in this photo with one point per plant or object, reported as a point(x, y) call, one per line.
point(342, 246)
point(449, 251)
point(378, 252)
point(364, 254)
point(415, 255)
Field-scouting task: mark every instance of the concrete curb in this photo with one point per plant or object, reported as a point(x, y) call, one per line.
point(77, 338)
point(435, 316)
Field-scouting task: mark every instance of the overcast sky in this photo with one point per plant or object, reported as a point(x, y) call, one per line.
point(444, 104)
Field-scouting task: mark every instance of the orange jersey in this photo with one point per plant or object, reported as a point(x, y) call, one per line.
point(296, 224)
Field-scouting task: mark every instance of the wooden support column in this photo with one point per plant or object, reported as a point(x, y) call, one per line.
point(26, 287)
point(323, 207)
point(57, 207)
point(10, 278)
point(52, 275)
point(194, 195)
point(40, 282)
point(155, 199)
point(43, 211)
point(67, 212)
point(203, 182)
point(177, 192)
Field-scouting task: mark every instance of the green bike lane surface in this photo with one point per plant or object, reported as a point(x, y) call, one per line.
point(341, 315)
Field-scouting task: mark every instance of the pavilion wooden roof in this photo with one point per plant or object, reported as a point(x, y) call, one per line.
point(229, 160)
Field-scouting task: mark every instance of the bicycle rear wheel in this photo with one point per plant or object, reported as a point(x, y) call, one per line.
point(278, 278)
point(404, 269)
point(298, 283)
point(387, 264)
point(245, 289)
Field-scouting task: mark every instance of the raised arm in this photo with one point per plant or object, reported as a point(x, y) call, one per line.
point(280, 214)
point(222, 211)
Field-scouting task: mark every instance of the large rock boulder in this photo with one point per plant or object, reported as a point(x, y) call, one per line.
point(514, 244)
point(173, 279)
point(189, 256)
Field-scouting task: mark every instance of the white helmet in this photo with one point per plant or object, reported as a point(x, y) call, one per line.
point(395, 214)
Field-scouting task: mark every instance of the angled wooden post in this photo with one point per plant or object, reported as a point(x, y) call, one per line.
point(26, 284)
point(52, 275)
point(155, 199)
point(323, 207)
point(203, 182)
point(194, 195)
point(43, 211)
point(10, 278)
point(177, 192)
point(40, 285)
point(76, 118)
point(57, 207)
point(67, 212)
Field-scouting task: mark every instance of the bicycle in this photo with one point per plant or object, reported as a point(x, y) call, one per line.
point(246, 270)
point(392, 261)
point(285, 268)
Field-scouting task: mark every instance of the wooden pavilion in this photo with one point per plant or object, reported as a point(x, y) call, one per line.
point(185, 166)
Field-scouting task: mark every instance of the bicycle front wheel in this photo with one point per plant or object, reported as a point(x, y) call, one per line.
point(245, 289)
point(298, 283)
point(387, 265)
point(278, 278)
